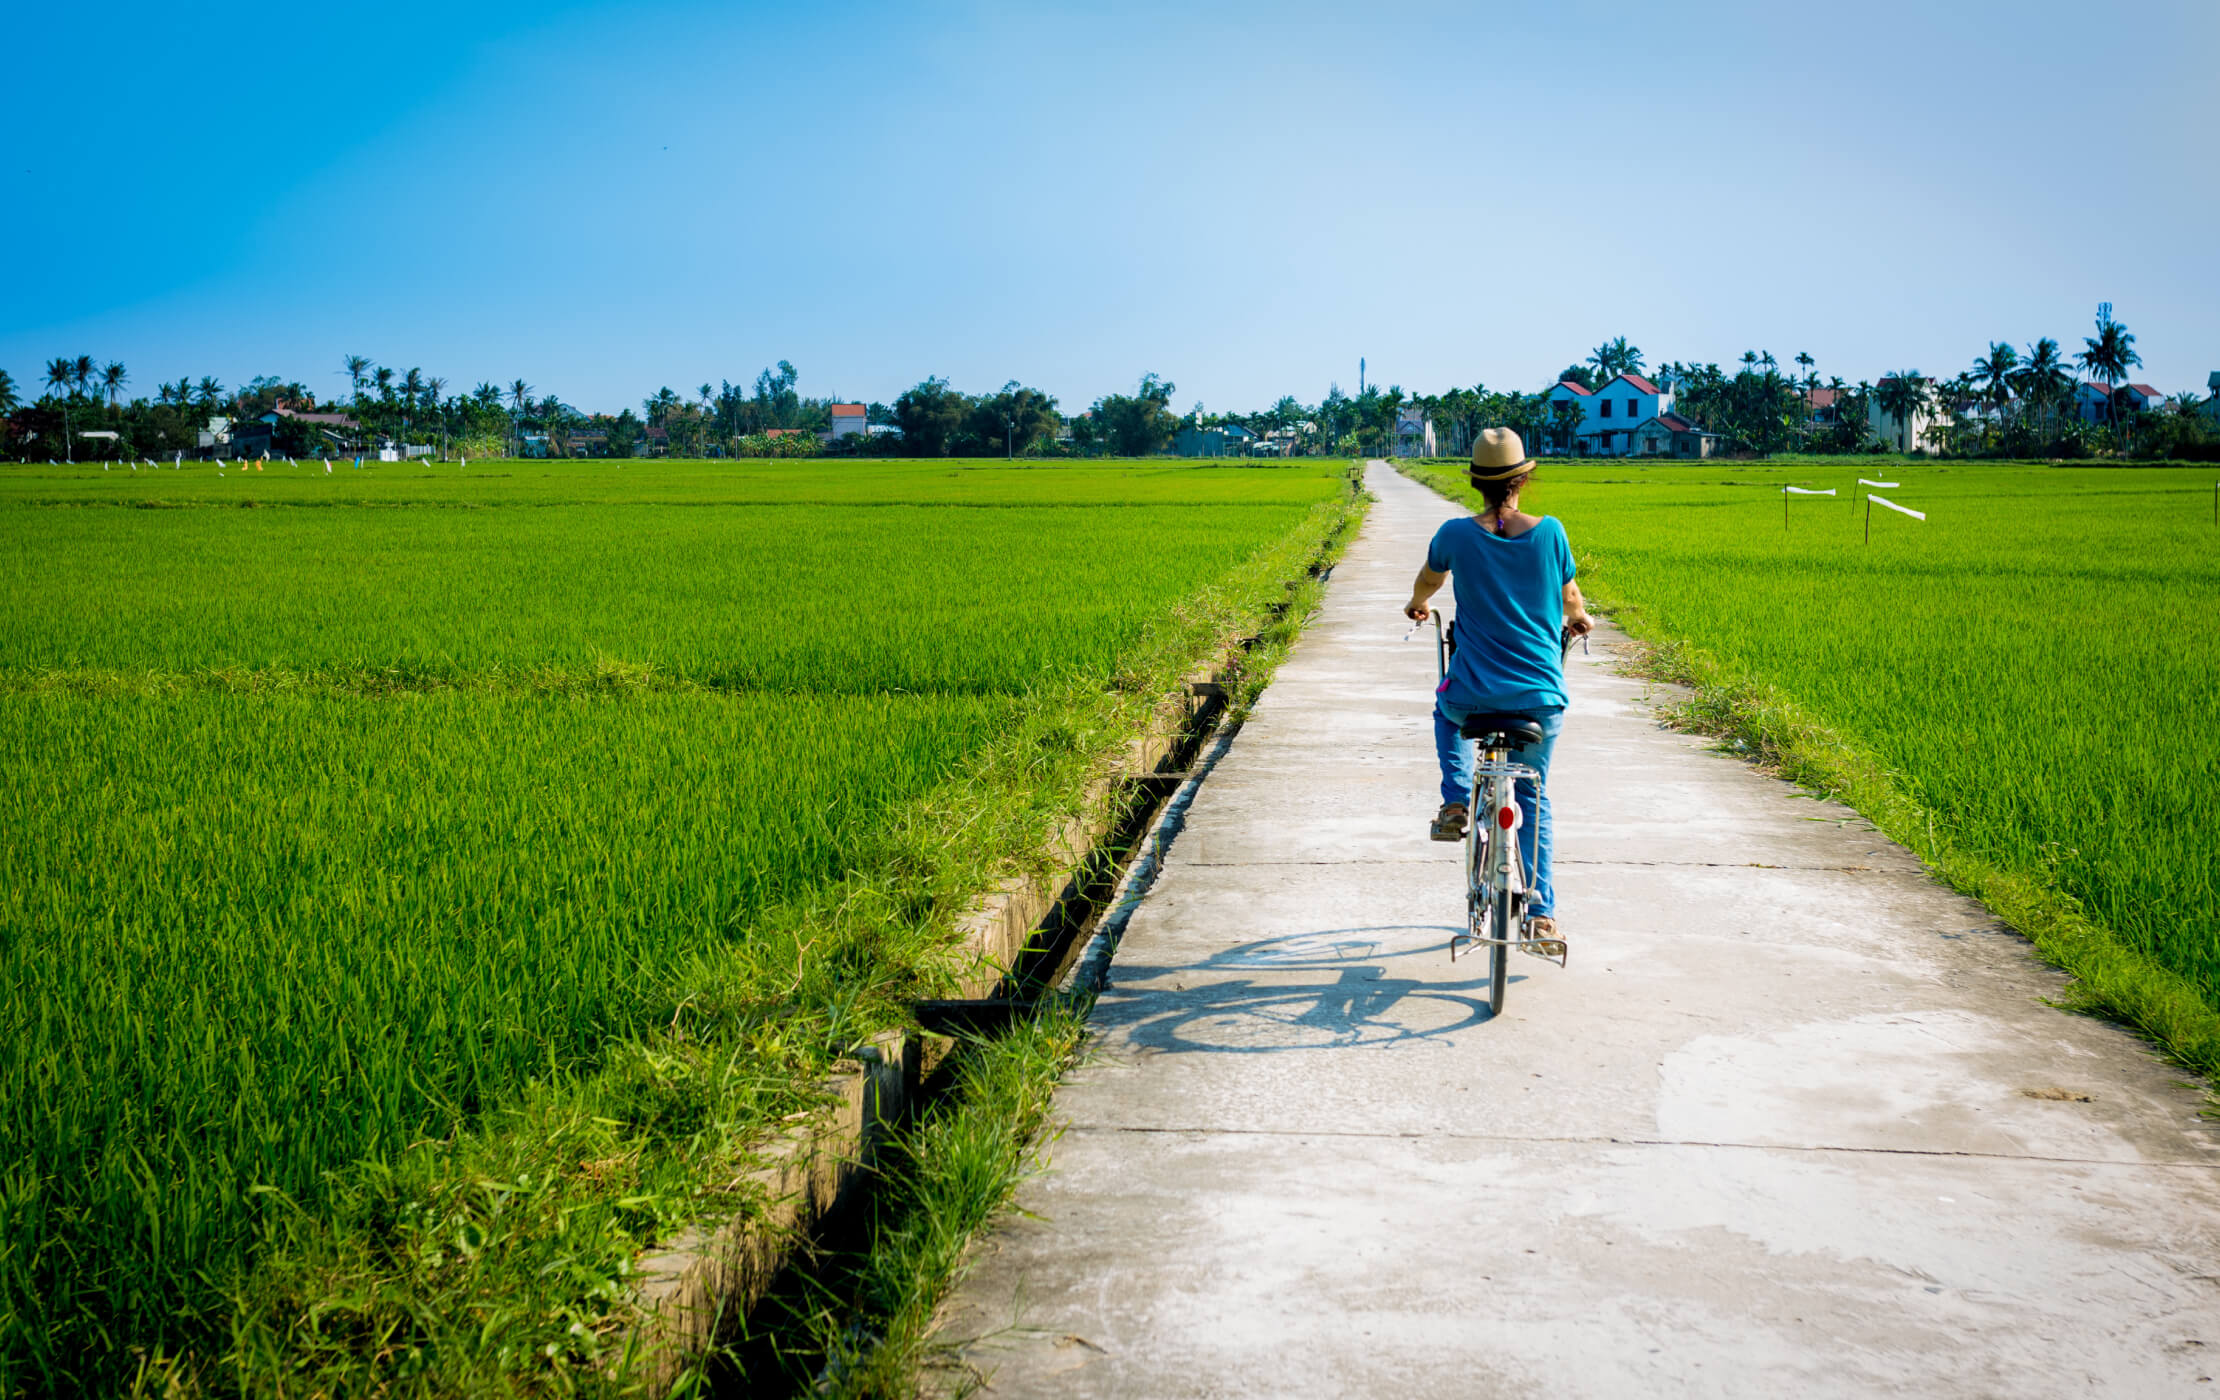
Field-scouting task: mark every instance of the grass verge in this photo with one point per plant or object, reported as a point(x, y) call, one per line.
point(861, 1327)
point(1770, 726)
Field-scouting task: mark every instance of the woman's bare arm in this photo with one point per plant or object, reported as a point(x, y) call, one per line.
point(1576, 612)
point(1424, 587)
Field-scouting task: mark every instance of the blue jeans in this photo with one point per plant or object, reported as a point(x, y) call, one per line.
point(1456, 754)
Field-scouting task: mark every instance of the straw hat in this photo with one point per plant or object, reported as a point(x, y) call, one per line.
point(1498, 455)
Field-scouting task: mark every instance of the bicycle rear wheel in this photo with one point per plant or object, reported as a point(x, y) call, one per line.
point(1483, 914)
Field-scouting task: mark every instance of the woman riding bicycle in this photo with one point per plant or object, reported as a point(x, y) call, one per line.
point(1516, 600)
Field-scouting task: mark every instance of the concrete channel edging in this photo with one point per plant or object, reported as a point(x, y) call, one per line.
point(696, 1285)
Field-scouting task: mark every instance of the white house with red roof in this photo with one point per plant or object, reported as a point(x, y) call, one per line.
point(848, 420)
point(2097, 404)
point(1631, 416)
point(1566, 391)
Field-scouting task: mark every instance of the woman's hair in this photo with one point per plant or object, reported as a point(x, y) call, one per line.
point(1497, 492)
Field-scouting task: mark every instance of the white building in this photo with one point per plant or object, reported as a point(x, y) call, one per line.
point(1565, 391)
point(1896, 431)
point(848, 420)
point(1630, 416)
point(1615, 411)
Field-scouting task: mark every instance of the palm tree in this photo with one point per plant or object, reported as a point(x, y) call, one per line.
point(1613, 358)
point(112, 380)
point(412, 390)
point(383, 378)
point(58, 377)
point(210, 393)
point(9, 403)
point(357, 367)
point(486, 395)
point(520, 398)
point(1994, 375)
point(1749, 361)
point(1902, 396)
point(2041, 377)
point(1769, 362)
point(2109, 355)
point(1805, 361)
point(82, 372)
point(434, 387)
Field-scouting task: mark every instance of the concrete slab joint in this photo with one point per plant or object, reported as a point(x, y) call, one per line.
point(1795, 1120)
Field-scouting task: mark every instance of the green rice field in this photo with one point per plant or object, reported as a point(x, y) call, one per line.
point(2030, 671)
point(420, 884)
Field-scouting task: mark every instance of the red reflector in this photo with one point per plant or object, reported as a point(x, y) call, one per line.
point(1506, 817)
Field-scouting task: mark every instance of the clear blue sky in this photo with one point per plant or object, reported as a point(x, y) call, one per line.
point(603, 199)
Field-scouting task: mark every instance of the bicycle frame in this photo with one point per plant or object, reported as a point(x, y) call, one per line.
point(1497, 880)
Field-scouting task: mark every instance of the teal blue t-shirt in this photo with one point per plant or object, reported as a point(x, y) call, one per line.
point(1510, 609)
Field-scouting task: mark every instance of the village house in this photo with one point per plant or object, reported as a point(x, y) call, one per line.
point(1670, 435)
point(1631, 416)
point(1414, 433)
point(1223, 440)
point(2095, 403)
point(848, 420)
point(1906, 432)
point(1823, 407)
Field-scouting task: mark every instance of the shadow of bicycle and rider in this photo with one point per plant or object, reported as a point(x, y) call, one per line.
point(1348, 988)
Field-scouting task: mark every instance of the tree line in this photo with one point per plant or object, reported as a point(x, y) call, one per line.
point(2007, 403)
point(768, 416)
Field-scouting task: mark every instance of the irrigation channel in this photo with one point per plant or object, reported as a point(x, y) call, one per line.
point(779, 1346)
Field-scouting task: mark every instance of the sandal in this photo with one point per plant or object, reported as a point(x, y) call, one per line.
point(1543, 940)
point(1449, 822)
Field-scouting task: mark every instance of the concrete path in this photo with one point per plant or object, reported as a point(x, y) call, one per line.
point(1794, 1122)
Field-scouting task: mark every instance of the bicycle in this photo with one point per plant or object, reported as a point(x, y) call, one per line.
point(1496, 877)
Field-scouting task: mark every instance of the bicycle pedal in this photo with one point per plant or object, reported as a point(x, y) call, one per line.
point(1547, 949)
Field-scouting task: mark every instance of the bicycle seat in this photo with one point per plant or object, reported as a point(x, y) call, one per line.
point(1502, 731)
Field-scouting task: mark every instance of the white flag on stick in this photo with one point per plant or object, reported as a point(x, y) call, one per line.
point(1902, 510)
point(1800, 491)
point(1863, 482)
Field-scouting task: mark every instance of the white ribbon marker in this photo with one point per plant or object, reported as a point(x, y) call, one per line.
point(1903, 510)
point(1863, 482)
point(1800, 491)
